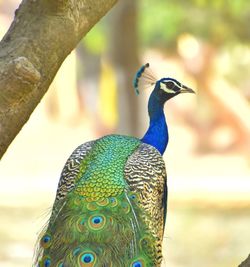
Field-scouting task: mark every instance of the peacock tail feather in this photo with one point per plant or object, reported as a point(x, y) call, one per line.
point(109, 209)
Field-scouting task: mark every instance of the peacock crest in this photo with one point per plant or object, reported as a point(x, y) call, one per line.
point(144, 78)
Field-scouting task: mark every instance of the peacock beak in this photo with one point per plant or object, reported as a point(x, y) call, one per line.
point(185, 89)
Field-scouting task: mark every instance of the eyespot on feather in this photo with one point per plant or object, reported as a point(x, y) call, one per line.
point(45, 262)
point(46, 241)
point(138, 263)
point(96, 222)
point(87, 259)
point(113, 202)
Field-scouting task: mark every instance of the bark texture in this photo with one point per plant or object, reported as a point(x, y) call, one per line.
point(42, 34)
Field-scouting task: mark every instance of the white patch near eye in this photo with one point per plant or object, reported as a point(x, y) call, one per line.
point(166, 89)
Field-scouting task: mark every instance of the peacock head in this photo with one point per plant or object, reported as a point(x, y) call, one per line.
point(167, 88)
point(164, 89)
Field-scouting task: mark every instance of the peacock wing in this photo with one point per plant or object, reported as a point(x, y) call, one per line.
point(71, 169)
point(145, 174)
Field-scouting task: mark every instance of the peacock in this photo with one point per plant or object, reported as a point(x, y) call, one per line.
point(111, 202)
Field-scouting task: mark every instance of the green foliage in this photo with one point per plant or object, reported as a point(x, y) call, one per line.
point(158, 22)
point(95, 41)
point(161, 22)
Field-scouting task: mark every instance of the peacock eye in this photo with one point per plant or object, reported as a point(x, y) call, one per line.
point(170, 85)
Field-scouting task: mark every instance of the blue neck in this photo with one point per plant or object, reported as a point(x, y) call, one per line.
point(157, 133)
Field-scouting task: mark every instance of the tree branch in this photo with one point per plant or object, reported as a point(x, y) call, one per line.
point(245, 263)
point(42, 34)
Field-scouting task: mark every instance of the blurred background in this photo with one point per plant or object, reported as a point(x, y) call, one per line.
point(203, 43)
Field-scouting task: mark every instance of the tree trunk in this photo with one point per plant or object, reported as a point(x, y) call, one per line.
point(42, 34)
point(124, 56)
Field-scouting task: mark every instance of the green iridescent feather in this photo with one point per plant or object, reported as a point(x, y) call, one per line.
point(100, 221)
